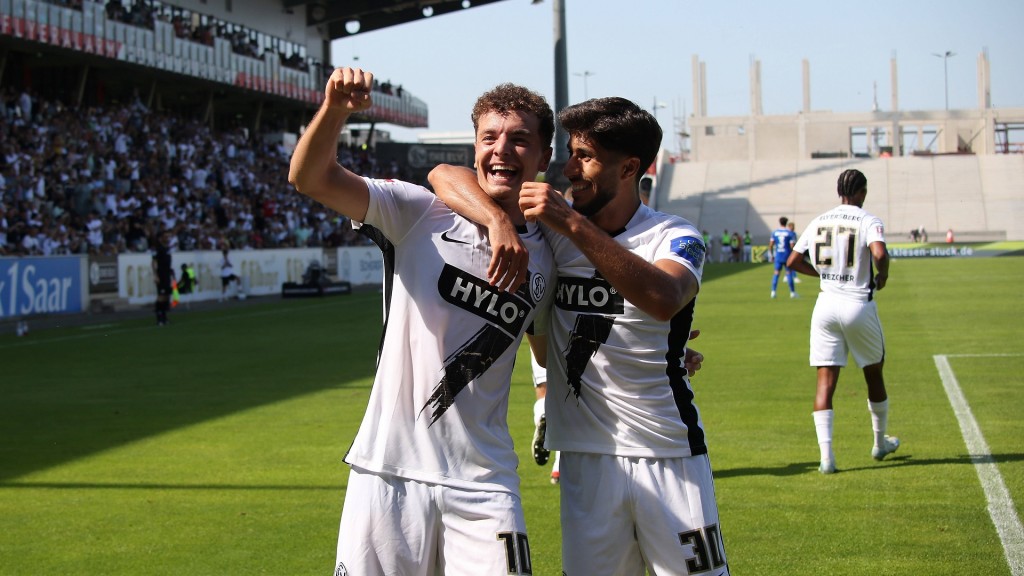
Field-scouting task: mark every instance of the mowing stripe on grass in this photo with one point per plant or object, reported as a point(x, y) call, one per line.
point(1000, 504)
point(91, 331)
point(157, 486)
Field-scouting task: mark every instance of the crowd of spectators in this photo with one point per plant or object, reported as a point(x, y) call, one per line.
point(202, 28)
point(141, 14)
point(107, 180)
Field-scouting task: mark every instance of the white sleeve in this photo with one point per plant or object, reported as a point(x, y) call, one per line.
point(873, 231)
point(683, 244)
point(395, 207)
point(803, 241)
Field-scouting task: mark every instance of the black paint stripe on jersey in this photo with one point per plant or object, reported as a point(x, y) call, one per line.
point(589, 295)
point(678, 334)
point(590, 331)
point(464, 366)
point(871, 278)
point(388, 251)
point(505, 310)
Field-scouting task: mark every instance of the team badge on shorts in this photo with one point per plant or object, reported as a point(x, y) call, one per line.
point(341, 570)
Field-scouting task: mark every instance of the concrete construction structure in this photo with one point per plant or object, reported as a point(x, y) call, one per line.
point(946, 169)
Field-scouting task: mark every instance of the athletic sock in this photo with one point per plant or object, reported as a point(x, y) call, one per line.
point(538, 411)
point(879, 419)
point(823, 428)
point(775, 282)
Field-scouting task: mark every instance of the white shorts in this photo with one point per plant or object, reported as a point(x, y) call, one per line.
point(622, 515)
point(391, 525)
point(840, 326)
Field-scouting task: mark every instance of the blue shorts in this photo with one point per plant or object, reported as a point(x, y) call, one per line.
point(780, 263)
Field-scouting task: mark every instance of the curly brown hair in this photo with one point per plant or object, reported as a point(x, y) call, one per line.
point(507, 97)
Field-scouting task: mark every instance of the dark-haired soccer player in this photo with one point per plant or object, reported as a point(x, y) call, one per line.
point(636, 487)
point(780, 246)
point(846, 250)
point(163, 276)
point(433, 487)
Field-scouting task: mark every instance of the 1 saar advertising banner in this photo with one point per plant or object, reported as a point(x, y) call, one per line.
point(42, 285)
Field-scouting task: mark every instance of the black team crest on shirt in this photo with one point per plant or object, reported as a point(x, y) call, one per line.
point(505, 314)
point(598, 303)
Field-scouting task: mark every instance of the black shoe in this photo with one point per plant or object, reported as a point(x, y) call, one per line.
point(540, 453)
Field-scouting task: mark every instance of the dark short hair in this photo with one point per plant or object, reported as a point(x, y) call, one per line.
point(850, 182)
point(783, 221)
point(506, 98)
point(615, 124)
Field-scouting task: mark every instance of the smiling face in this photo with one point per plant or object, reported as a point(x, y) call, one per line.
point(509, 152)
point(596, 175)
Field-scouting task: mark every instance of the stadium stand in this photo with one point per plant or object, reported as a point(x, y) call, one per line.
point(976, 195)
point(105, 180)
point(125, 118)
point(120, 119)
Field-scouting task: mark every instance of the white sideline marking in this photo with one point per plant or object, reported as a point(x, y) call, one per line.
point(1000, 504)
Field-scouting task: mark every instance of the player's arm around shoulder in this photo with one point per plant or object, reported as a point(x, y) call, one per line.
point(314, 170)
point(458, 187)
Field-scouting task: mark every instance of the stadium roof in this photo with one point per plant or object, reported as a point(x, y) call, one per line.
point(349, 17)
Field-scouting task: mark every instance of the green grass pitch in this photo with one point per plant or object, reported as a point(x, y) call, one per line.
point(214, 446)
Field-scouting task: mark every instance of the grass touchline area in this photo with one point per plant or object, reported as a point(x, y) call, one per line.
point(214, 446)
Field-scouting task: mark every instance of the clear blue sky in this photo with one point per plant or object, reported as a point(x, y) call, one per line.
point(642, 49)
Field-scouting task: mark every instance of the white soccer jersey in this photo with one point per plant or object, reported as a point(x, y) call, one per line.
point(437, 411)
point(610, 389)
point(837, 242)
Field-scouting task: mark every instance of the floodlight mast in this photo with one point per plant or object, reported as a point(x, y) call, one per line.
point(945, 70)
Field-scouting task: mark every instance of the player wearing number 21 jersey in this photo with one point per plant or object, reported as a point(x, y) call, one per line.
point(838, 243)
point(844, 246)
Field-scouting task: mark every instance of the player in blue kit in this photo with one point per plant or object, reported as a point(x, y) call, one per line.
point(780, 246)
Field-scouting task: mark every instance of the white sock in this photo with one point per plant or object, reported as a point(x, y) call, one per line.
point(879, 419)
point(538, 411)
point(823, 428)
point(554, 467)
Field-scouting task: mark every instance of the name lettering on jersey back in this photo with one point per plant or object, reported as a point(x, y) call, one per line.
point(839, 277)
point(509, 311)
point(842, 216)
point(592, 295)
